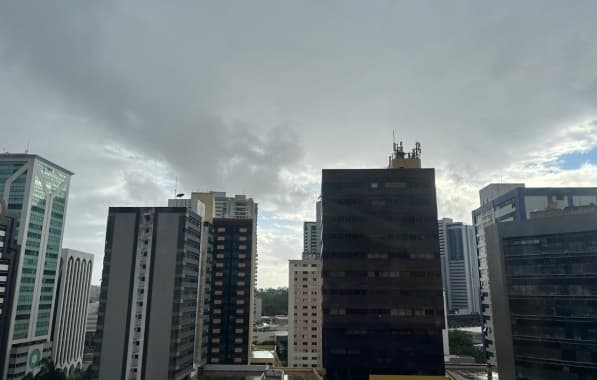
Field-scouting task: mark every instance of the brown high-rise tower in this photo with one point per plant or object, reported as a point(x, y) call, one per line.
point(382, 286)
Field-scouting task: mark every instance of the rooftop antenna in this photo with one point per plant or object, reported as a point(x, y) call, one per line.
point(27, 148)
point(176, 186)
point(417, 151)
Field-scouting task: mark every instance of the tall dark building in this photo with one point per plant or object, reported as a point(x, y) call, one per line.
point(545, 294)
point(381, 273)
point(230, 292)
point(146, 326)
point(9, 255)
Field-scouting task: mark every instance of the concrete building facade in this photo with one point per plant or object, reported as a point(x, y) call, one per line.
point(513, 202)
point(236, 207)
point(258, 309)
point(304, 313)
point(68, 337)
point(544, 294)
point(312, 238)
point(35, 191)
point(460, 268)
point(312, 234)
point(91, 324)
point(148, 303)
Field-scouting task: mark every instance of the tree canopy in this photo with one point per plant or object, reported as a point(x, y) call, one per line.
point(274, 301)
point(462, 344)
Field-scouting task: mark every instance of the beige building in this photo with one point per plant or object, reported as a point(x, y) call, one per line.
point(304, 313)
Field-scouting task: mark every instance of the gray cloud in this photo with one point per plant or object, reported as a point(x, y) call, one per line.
point(255, 97)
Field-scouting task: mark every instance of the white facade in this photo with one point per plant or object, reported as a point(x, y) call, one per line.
point(237, 207)
point(304, 313)
point(460, 269)
point(68, 341)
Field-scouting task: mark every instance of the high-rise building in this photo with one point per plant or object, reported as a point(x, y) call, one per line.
point(9, 256)
point(544, 294)
point(148, 304)
point(383, 311)
point(304, 312)
point(231, 275)
point(312, 234)
point(460, 266)
point(35, 191)
point(68, 336)
point(312, 238)
point(91, 325)
point(506, 202)
point(231, 292)
point(237, 207)
point(229, 215)
point(304, 299)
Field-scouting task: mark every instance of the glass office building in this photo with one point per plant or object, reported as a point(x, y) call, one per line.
point(35, 190)
point(545, 294)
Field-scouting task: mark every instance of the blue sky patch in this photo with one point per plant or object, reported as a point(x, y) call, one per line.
point(575, 160)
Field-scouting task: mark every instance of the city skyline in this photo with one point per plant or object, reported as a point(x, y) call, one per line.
point(488, 99)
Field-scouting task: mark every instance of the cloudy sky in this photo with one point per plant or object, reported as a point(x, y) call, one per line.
point(256, 97)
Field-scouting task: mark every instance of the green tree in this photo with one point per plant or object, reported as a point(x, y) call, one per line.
point(274, 301)
point(88, 374)
point(47, 371)
point(462, 344)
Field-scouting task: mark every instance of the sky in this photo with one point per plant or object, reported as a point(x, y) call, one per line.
point(142, 98)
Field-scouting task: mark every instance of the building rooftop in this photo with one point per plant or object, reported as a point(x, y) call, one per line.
point(239, 372)
point(26, 156)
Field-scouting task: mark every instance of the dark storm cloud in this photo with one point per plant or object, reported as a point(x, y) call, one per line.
point(255, 97)
point(165, 119)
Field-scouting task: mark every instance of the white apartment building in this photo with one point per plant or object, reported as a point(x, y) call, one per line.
point(304, 313)
point(68, 340)
point(460, 268)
